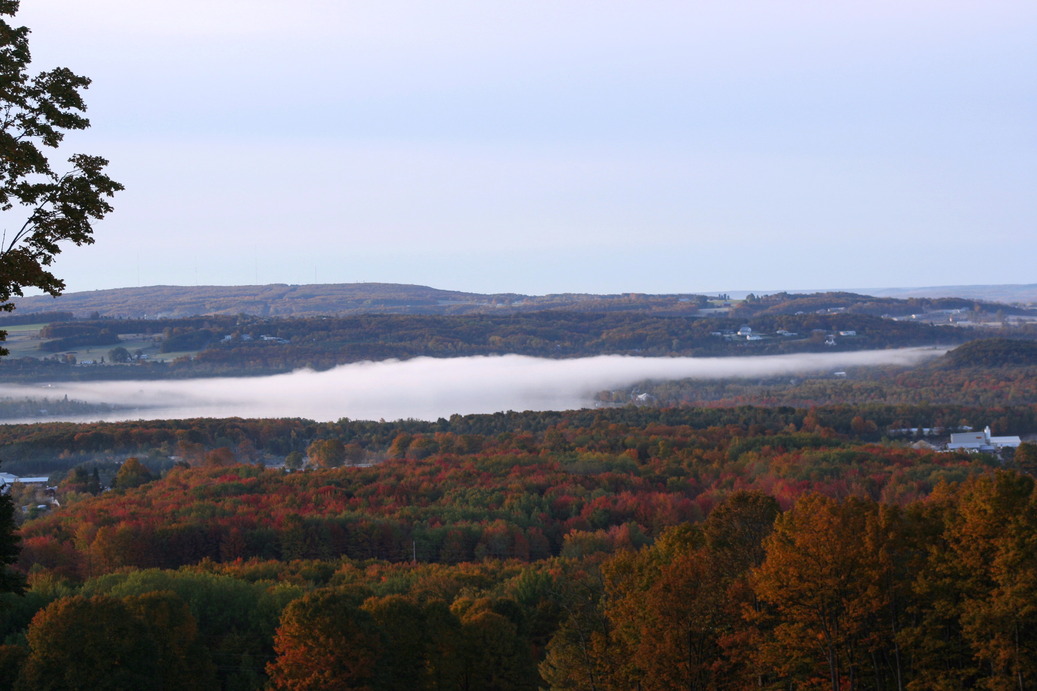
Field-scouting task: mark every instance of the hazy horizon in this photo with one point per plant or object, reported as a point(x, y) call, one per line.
point(538, 148)
point(966, 290)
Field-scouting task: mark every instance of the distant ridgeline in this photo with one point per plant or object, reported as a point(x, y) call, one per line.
point(280, 300)
point(853, 303)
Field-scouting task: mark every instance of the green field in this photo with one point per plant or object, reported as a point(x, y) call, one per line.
point(24, 340)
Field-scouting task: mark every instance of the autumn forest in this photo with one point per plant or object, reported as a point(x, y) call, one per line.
point(634, 547)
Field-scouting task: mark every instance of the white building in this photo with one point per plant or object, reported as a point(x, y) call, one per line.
point(981, 441)
point(6, 480)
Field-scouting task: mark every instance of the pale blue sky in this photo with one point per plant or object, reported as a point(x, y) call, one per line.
point(537, 147)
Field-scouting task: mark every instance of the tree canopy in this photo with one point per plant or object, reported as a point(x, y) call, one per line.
point(41, 205)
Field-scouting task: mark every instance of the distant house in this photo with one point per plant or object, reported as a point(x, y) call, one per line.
point(981, 441)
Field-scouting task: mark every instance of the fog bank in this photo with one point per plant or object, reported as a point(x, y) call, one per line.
point(430, 388)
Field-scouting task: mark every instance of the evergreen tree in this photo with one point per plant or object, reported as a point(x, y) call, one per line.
point(10, 581)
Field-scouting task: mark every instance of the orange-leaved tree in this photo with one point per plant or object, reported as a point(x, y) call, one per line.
point(325, 641)
point(823, 586)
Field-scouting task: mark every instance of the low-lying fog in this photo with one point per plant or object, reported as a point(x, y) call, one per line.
point(430, 388)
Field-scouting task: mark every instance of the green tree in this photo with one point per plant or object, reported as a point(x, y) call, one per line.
point(183, 661)
point(294, 460)
point(119, 354)
point(89, 643)
point(580, 653)
point(51, 206)
point(735, 530)
point(12, 658)
point(1026, 457)
point(133, 473)
point(494, 653)
point(402, 620)
point(327, 453)
point(236, 620)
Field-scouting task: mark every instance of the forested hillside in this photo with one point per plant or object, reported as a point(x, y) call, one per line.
point(235, 346)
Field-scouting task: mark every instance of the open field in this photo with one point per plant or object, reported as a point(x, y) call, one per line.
point(24, 340)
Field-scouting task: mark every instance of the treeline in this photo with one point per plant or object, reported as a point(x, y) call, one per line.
point(984, 372)
point(71, 336)
point(973, 387)
point(854, 303)
point(20, 318)
point(548, 334)
point(31, 408)
point(55, 447)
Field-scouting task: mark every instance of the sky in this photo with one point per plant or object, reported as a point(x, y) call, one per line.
point(430, 388)
point(566, 146)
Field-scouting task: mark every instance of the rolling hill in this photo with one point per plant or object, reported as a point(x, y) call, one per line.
point(343, 299)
